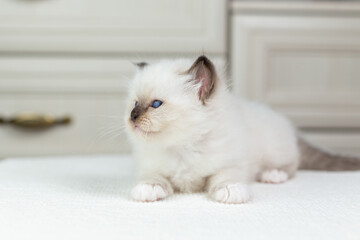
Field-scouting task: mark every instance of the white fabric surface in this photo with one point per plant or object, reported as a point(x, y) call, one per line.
point(87, 198)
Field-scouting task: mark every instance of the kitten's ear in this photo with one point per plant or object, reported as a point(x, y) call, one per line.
point(204, 73)
point(141, 65)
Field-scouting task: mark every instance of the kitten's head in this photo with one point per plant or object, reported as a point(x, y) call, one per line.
point(170, 99)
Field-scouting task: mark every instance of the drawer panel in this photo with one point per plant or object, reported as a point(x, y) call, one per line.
point(54, 74)
point(113, 26)
point(91, 90)
point(96, 125)
point(306, 67)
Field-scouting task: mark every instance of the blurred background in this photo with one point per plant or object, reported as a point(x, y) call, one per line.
point(65, 65)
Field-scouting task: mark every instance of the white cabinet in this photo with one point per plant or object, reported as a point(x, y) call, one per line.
point(307, 67)
point(303, 59)
point(113, 26)
point(74, 58)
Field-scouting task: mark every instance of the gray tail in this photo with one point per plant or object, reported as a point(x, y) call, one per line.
point(314, 158)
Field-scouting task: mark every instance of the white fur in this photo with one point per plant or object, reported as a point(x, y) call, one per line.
point(148, 192)
point(189, 146)
point(232, 193)
point(273, 176)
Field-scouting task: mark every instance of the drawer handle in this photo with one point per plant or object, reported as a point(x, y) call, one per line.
point(30, 120)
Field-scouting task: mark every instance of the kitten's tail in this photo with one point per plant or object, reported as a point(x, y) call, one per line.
point(314, 158)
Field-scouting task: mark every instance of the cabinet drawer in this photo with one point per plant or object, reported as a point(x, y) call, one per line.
point(91, 91)
point(96, 125)
point(113, 26)
point(56, 74)
point(305, 66)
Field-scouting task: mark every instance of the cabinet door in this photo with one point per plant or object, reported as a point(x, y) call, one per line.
point(113, 25)
point(306, 67)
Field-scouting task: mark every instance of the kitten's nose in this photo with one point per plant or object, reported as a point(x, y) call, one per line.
point(134, 114)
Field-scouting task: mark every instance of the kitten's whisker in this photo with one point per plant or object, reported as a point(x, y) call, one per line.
point(103, 115)
point(98, 137)
point(110, 133)
point(107, 130)
point(111, 130)
point(147, 132)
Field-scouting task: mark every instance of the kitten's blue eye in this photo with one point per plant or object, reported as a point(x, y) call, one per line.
point(156, 103)
point(136, 103)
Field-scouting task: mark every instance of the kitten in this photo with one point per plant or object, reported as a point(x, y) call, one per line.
point(189, 134)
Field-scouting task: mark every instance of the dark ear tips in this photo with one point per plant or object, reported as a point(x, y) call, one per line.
point(204, 73)
point(141, 65)
point(204, 60)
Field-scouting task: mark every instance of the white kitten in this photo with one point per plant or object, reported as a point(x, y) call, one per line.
point(190, 134)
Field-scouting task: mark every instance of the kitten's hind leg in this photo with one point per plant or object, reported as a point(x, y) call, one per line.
point(278, 173)
point(228, 186)
point(152, 189)
point(273, 176)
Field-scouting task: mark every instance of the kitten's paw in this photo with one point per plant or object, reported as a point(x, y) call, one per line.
point(273, 176)
point(146, 192)
point(232, 194)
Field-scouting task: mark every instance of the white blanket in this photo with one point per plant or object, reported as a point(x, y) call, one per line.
point(87, 198)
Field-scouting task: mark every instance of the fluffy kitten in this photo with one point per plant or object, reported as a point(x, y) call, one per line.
point(190, 134)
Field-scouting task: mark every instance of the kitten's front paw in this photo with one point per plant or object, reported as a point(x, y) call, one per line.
point(232, 194)
point(146, 192)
